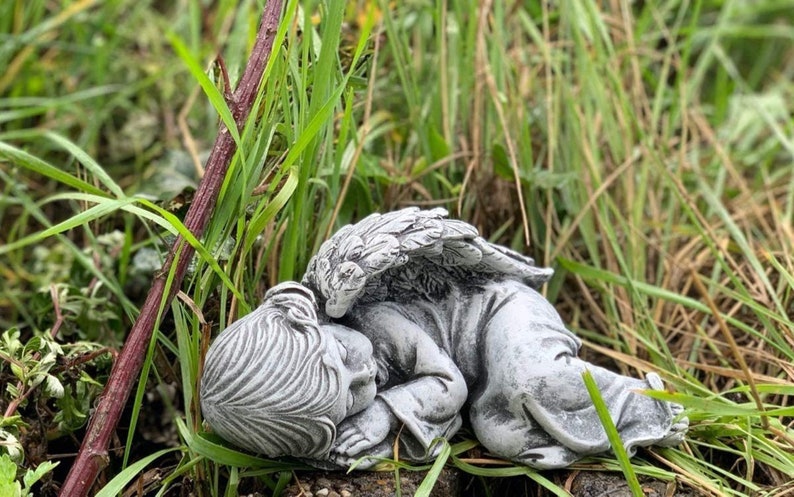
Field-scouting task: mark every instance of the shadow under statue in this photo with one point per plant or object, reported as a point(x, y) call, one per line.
point(421, 324)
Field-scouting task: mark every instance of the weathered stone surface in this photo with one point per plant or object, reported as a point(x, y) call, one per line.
point(406, 327)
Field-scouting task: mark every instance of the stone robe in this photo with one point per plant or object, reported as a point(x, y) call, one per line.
point(500, 354)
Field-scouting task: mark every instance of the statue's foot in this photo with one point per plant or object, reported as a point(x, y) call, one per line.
point(365, 460)
point(655, 381)
point(675, 436)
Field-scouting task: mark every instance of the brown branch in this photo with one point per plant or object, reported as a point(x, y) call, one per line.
point(93, 455)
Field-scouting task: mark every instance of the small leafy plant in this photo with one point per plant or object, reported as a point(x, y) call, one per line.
point(40, 372)
point(40, 369)
point(30, 364)
point(10, 486)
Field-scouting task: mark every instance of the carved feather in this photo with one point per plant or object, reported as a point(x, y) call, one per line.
point(410, 253)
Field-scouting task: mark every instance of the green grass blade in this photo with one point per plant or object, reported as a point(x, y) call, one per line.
point(510, 471)
point(612, 434)
point(719, 406)
point(211, 447)
point(24, 107)
point(320, 120)
point(266, 215)
point(117, 484)
point(214, 95)
point(87, 161)
point(599, 275)
point(38, 166)
point(429, 481)
point(172, 223)
point(148, 360)
point(104, 207)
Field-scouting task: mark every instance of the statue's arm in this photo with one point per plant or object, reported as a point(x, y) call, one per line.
point(428, 403)
point(428, 399)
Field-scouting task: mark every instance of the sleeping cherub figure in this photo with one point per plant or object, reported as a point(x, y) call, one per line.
point(406, 327)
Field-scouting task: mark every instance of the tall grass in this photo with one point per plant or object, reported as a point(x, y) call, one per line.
point(644, 150)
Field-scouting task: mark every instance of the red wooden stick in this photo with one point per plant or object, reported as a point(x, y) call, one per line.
point(93, 455)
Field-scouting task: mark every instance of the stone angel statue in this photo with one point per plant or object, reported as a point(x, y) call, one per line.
point(408, 326)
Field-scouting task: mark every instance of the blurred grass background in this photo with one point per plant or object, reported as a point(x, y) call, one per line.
point(645, 150)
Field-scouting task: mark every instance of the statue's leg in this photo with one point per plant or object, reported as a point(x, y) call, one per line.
point(533, 406)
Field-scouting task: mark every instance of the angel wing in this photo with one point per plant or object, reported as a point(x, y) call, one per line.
point(407, 254)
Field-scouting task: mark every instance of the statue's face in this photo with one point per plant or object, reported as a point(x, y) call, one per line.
point(352, 353)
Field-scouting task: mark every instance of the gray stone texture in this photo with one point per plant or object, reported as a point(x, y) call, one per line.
point(406, 327)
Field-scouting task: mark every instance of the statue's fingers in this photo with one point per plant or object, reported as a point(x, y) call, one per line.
point(341, 444)
point(341, 459)
point(350, 431)
point(359, 446)
point(345, 445)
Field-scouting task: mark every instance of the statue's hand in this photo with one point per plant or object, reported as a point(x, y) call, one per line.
point(364, 430)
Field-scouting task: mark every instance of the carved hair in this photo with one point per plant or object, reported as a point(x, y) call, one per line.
point(267, 385)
